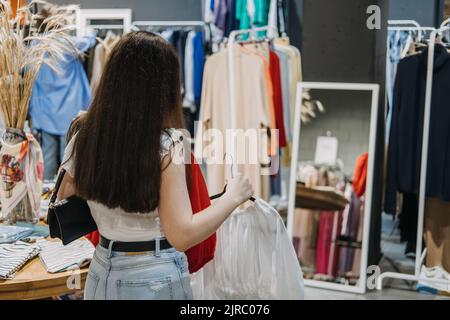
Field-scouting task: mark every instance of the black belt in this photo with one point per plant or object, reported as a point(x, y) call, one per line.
point(135, 246)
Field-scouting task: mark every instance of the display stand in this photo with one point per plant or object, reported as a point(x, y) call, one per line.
point(420, 255)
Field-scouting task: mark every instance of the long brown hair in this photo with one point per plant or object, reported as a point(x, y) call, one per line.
point(117, 148)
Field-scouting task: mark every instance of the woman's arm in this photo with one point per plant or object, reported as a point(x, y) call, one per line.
point(183, 229)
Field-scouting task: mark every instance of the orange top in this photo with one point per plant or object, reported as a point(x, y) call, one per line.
point(360, 176)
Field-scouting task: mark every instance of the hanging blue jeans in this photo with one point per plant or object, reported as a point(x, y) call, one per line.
point(53, 147)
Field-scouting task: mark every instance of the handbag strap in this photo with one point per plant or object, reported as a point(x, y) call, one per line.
point(57, 185)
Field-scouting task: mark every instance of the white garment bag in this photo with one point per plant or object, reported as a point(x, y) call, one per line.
point(254, 259)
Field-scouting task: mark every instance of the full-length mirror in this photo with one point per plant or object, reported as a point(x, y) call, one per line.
point(330, 183)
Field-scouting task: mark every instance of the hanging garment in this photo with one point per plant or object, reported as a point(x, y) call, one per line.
point(273, 19)
point(179, 38)
point(275, 73)
point(408, 217)
point(203, 252)
point(242, 14)
point(254, 259)
point(58, 97)
point(252, 104)
point(199, 65)
point(396, 45)
point(261, 14)
point(221, 12)
point(101, 56)
point(189, 95)
point(306, 224)
point(285, 88)
point(281, 7)
point(324, 242)
point(232, 23)
point(360, 175)
point(405, 143)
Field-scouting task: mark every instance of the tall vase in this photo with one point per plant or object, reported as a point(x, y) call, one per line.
point(14, 190)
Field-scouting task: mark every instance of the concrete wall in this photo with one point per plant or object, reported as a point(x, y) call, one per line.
point(147, 9)
point(347, 118)
point(427, 12)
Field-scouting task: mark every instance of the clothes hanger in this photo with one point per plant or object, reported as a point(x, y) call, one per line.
point(223, 192)
point(225, 188)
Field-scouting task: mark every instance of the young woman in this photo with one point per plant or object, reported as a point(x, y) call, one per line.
point(122, 161)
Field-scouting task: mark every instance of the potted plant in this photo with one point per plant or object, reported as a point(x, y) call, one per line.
point(23, 49)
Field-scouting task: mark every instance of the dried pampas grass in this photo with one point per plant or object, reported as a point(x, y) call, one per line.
point(24, 48)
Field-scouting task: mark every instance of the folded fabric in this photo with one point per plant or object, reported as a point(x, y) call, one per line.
point(59, 258)
point(38, 231)
point(13, 256)
point(10, 234)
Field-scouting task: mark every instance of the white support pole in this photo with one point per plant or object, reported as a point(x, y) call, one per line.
point(425, 143)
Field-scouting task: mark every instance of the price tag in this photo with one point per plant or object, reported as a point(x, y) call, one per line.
point(326, 151)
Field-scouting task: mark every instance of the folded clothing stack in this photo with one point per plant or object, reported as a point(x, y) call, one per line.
point(10, 234)
point(13, 256)
point(58, 258)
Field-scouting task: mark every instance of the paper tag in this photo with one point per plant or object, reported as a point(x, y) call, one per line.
point(326, 151)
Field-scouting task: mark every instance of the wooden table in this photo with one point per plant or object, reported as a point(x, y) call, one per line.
point(34, 282)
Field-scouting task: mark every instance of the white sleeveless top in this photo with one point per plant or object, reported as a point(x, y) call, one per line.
point(116, 224)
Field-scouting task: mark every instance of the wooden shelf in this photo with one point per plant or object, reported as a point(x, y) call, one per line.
point(319, 199)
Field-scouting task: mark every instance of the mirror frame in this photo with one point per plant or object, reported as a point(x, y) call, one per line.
point(375, 89)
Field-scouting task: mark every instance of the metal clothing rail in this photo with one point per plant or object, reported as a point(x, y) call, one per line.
point(423, 170)
point(168, 24)
point(231, 76)
point(135, 26)
point(408, 25)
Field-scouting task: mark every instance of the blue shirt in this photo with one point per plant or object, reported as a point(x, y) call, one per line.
point(57, 98)
point(199, 64)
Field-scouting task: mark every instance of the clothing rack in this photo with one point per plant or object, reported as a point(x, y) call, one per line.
point(408, 25)
point(232, 39)
point(136, 26)
point(420, 256)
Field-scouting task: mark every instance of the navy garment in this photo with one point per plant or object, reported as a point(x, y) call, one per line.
point(405, 146)
point(232, 22)
point(199, 65)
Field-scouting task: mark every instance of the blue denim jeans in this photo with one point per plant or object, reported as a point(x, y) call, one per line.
point(156, 275)
point(53, 147)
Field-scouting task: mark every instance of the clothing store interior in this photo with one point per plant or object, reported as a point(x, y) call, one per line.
point(344, 153)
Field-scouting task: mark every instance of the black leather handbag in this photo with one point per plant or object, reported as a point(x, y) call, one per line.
point(69, 219)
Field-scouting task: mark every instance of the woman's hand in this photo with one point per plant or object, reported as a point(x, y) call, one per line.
point(238, 190)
